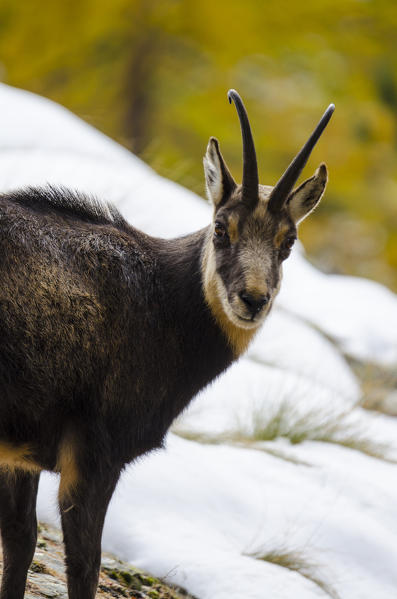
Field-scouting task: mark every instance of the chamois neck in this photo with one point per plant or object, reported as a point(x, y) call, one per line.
point(201, 349)
point(191, 271)
point(191, 274)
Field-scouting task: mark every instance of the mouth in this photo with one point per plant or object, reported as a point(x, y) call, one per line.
point(246, 323)
point(252, 319)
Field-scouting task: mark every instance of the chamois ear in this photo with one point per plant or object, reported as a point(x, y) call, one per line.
point(219, 182)
point(306, 197)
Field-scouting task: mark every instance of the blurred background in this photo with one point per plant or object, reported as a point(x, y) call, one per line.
point(153, 74)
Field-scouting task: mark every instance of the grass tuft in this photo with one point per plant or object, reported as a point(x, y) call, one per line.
point(339, 428)
point(297, 562)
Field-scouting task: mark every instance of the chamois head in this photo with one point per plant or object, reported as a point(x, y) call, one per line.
point(254, 226)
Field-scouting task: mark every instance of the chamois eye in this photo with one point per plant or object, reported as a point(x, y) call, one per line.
point(220, 231)
point(289, 243)
point(286, 247)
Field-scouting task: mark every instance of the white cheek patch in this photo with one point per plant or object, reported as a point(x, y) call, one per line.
point(213, 282)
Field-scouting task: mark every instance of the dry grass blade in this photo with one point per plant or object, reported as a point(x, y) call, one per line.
point(296, 562)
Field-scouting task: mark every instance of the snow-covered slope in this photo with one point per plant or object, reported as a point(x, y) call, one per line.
point(230, 487)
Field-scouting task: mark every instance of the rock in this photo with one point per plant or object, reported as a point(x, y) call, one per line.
point(46, 576)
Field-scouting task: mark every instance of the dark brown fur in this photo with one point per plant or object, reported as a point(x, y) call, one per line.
point(104, 338)
point(106, 334)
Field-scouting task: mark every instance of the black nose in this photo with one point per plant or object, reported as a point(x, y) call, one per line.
point(254, 304)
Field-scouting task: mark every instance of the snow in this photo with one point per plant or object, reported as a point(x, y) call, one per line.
point(359, 314)
point(195, 514)
point(199, 511)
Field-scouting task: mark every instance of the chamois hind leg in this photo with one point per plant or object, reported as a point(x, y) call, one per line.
point(18, 526)
point(83, 509)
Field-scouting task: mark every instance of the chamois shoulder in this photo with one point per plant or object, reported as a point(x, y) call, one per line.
point(67, 202)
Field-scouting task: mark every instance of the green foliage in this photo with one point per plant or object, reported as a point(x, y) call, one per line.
point(154, 74)
point(138, 583)
point(38, 567)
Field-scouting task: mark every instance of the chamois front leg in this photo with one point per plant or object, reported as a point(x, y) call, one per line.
point(18, 525)
point(83, 509)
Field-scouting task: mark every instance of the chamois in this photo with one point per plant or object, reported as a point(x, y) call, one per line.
point(106, 334)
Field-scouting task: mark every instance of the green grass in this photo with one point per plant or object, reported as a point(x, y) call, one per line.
point(286, 423)
point(323, 427)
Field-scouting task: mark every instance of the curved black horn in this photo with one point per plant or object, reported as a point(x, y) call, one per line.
point(250, 168)
point(284, 186)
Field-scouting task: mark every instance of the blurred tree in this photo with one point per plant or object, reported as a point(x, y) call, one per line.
point(153, 74)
